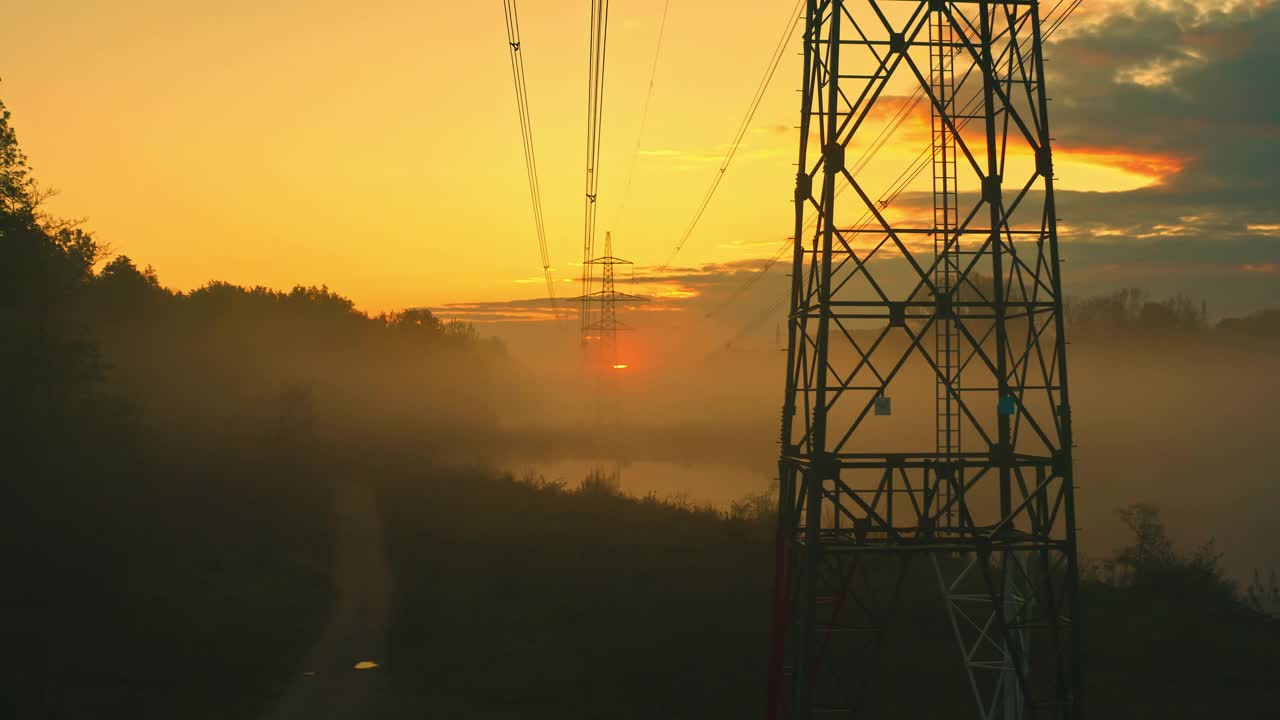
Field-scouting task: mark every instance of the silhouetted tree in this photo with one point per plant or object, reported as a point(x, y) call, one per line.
point(1264, 324)
point(50, 372)
point(1131, 312)
point(1151, 565)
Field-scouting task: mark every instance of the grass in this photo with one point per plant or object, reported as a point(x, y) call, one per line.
point(528, 599)
point(188, 587)
point(525, 600)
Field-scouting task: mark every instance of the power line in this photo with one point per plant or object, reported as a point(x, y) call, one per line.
point(880, 141)
point(595, 114)
point(644, 114)
point(755, 322)
point(882, 138)
point(770, 69)
point(526, 132)
point(1062, 18)
point(896, 188)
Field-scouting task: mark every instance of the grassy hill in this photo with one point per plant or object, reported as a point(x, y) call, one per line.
point(186, 585)
point(524, 599)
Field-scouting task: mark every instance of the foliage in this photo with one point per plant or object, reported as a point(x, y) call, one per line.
point(50, 370)
point(19, 192)
point(570, 603)
point(186, 584)
point(520, 598)
point(1131, 311)
point(227, 355)
point(1174, 628)
point(160, 569)
point(602, 482)
point(1264, 597)
point(1151, 565)
point(1261, 324)
point(761, 507)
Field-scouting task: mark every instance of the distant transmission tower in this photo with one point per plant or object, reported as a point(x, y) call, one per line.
point(926, 541)
point(595, 127)
point(600, 308)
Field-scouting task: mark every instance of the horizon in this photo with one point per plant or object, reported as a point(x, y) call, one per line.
point(310, 154)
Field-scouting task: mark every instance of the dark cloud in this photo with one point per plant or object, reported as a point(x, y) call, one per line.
point(708, 284)
point(1172, 79)
point(1178, 81)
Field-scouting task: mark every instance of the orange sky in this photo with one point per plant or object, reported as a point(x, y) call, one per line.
point(374, 147)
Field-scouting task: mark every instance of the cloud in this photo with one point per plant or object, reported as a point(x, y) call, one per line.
point(537, 309)
point(1185, 83)
point(1177, 79)
point(1269, 268)
point(1175, 91)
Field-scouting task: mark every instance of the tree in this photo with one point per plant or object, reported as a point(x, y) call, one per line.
point(1151, 546)
point(1152, 566)
point(1130, 311)
point(49, 367)
point(19, 192)
point(1261, 324)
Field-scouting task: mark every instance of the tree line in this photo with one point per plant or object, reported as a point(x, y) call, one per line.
point(1133, 312)
point(93, 343)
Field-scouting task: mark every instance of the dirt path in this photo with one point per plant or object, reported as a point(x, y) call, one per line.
point(327, 684)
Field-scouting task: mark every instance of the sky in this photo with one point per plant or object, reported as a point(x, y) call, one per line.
point(375, 147)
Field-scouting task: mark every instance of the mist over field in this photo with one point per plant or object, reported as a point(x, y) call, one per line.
point(1181, 416)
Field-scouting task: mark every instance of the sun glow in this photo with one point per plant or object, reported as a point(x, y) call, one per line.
point(1108, 170)
point(620, 366)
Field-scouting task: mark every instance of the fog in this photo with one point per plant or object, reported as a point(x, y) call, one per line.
point(1182, 420)
point(1181, 417)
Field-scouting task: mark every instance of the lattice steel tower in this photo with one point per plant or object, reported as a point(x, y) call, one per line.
point(926, 540)
point(600, 324)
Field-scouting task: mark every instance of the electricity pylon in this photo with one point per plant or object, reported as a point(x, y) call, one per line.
point(889, 492)
point(600, 324)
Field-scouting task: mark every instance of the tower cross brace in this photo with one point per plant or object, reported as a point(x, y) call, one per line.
point(926, 547)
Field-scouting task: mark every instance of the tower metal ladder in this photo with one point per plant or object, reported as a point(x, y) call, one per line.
point(946, 246)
